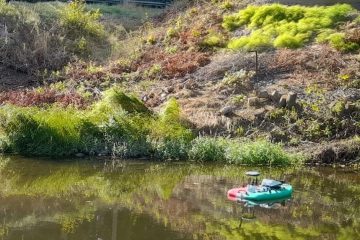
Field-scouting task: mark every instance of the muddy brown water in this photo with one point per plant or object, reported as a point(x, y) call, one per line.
point(91, 199)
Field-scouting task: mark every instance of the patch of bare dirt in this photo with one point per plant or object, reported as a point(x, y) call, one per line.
point(12, 80)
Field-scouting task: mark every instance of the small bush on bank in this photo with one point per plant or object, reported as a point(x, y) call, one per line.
point(258, 152)
point(206, 149)
point(232, 151)
point(43, 133)
point(281, 26)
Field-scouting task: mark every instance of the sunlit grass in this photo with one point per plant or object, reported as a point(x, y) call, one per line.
point(282, 26)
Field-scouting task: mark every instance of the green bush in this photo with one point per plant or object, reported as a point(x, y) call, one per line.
point(288, 41)
point(119, 124)
point(169, 124)
point(45, 133)
point(237, 152)
point(213, 40)
point(338, 41)
point(206, 149)
point(255, 41)
point(258, 152)
point(115, 100)
point(282, 26)
point(81, 27)
point(175, 149)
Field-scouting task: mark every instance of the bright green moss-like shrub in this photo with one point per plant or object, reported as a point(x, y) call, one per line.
point(255, 41)
point(338, 41)
point(213, 40)
point(282, 26)
point(288, 41)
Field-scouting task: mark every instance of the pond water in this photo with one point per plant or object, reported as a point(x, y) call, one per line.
point(140, 200)
point(354, 3)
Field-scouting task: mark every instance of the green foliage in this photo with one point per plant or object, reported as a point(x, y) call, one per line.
point(46, 133)
point(282, 26)
point(81, 26)
point(206, 149)
point(255, 42)
point(227, 5)
point(232, 151)
point(176, 149)
point(213, 39)
point(237, 78)
point(288, 41)
point(339, 108)
point(79, 22)
point(122, 126)
point(258, 152)
point(338, 41)
point(116, 100)
point(171, 33)
point(169, 125)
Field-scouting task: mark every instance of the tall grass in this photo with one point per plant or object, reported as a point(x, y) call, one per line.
point(282, 26)
point(119, 124)
point(223, 150)
point(110, 128)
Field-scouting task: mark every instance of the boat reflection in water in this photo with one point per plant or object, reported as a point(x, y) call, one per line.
point(249, 208)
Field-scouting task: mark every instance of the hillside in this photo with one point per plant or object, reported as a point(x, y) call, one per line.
point(304, 93)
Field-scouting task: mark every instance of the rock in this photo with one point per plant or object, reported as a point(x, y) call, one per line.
point(224, 92)
point(227, 110)
point(282, 101)
point(253, 101)
point(278, 135)
point(327, 155)
point(169, 89)
point(144, 98)
point(275, 96)
point(262, 94)
point(163, 96)
point(291, 99)
point(151, 95)
point(79, 155)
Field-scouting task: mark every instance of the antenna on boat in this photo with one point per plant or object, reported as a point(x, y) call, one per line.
point(253, 174)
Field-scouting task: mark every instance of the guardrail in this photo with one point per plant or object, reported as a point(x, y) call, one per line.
point(148, 3)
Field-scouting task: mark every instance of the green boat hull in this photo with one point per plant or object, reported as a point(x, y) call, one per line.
point(284, 192)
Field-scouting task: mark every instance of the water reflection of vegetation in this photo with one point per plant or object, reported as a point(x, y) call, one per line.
point(184, 197)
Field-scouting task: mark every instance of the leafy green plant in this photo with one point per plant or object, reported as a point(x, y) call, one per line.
point(206, 149)
point(237, 78)
point(281, 26)
point(213, 39)
point(338, 41)
point(258, 152)
point(227, 5)
point(169, 124)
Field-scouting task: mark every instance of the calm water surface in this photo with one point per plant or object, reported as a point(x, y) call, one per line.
point(138, 200)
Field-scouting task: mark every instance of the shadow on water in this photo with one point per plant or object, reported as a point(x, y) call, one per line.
point(151, 200)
